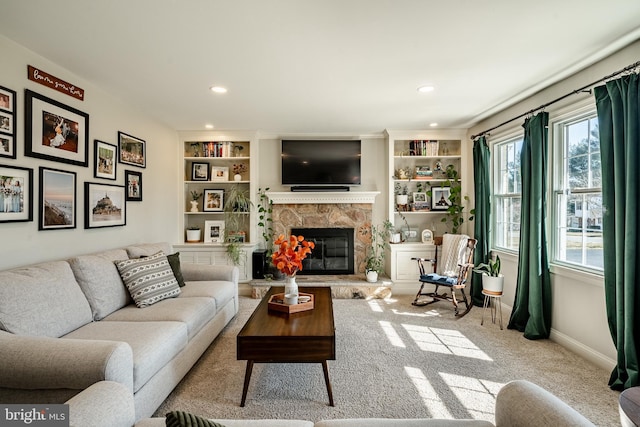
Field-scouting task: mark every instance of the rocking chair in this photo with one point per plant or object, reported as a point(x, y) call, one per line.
point(451, 269)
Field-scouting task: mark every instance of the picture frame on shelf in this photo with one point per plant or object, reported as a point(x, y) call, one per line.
point(213, 201)
point(419, 197)
point(440, 198)
point(55, 131)
point(57, 196)
point(132, 150)
point(213, 231)
point(105, 205)
point(133, 181)
point(105, 161)
point(219, 173)
point(199, 171)
point(16, 191)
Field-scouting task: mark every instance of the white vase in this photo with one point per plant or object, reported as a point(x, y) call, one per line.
point(237, 177)
point(291, 287)
point(493, 285)
point(194, 206)
point(402, 199)
point(193, 236)
point(372, 276)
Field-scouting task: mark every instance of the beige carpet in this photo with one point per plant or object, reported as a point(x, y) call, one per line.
point(394, 360)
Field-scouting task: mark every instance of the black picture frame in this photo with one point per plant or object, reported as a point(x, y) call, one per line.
point(132, 150)
point(8, 130)
point(105, 205)
point(24, 212)
point(213, 200)
point(199, 171)
point(133, 182)
point(440, 198)
point(55, 131)
point(58, 198)
point(105, 160)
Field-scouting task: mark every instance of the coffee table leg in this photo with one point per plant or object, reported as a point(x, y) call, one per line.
point(247, 378)
point(325, 368)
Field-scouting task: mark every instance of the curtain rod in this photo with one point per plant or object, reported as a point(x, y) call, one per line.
point(575, 92)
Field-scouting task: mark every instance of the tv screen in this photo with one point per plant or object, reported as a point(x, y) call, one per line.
point(321, 162)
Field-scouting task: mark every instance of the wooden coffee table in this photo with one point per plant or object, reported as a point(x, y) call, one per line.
point(276, 337)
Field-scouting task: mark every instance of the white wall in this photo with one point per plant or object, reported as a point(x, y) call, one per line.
point(153, 219)
point(579, 319)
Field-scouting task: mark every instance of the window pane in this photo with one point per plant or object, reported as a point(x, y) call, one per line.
point(581, 237)
point(507, 188)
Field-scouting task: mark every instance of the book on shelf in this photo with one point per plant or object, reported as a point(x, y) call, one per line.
point(217, 149)
point(424, 147)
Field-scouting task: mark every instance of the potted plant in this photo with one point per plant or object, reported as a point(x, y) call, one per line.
point(379, 242)
point(492, 280)
point(238, 169)
point(265, 222)
point(402, 194)
point(194, 200)
point(455, 213)
point(237, 205)
point(193, 234)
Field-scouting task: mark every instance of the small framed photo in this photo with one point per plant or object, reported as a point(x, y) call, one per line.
point(132, 150)
point(57, 199)
point(16, 194)
point(7, 100)
point(199, 171)
point(427, 237)
point(104, 205)
point(6, 122)
point(419, 197)
point(219, 173)
point(213, 231)
point(7, 146)
point(54, 131)
point(236, 237)
point(440, 198)
point(105, 160)
point(133, 181)
point(213, 200)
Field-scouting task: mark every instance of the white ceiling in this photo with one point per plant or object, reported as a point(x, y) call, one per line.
point(321, 66)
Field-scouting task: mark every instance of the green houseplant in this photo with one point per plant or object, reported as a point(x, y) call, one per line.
point(237, 206)
point(492, 280)
point(455, 213)
point(376, 252)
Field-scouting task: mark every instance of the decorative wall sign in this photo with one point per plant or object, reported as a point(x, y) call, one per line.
point(133, 181)
point(132, 150)
point(104, 164)
point(7, 123)
point(105, 205)
point(57, 199)
point(54, 131)
point(54, 83)
point(16, 194)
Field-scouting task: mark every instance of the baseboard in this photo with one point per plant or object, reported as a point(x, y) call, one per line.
point(582, 350)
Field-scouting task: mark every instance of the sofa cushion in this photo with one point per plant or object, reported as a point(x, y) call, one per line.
point(148, 249)
point(194, 312)
point(149, 279)
point(153, 344)
point(402, 422)
point(221, 291)
point(100, 281)
point(42, 300)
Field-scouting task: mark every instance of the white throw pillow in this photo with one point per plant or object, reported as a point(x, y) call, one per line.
point(149, 279)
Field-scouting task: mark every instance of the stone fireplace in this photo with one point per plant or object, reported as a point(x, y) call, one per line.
point(333, 252)
point(293, 210)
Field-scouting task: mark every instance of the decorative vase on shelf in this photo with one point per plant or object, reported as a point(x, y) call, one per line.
point(291, 287)
point(372, 276)
point(194, 206)
point(237, 177)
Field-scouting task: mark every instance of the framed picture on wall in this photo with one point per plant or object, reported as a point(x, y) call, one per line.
point(214, 231)
point(104, 205)
point(54, 131)
point(57, 199)
point(7, 146)
point(133, 181)
point(7, 100)
point(132, 150)
point(199, 171)
point(7, 123)
point(16, 194)
point(213, 200)
point(440, 198)
point(104, 165)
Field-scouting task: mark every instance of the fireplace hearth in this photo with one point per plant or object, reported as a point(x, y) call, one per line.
point(333, 253)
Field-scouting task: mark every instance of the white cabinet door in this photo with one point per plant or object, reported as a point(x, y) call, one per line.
point(405, 269)
point(216, 256)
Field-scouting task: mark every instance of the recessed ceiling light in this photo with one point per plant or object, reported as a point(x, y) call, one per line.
point(218, 89)
point(433, 125)
point(425, 89)
point(208, 126)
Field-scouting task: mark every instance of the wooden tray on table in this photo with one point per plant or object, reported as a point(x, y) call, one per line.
point(276, 303)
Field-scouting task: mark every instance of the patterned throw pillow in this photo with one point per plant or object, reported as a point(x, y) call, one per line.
point(185, 419)
point(149, 279)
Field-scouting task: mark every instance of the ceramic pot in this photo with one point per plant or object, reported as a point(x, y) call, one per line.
point(290, 286)
point(193, 236)
point(237, 177)
point(372, 276)
point(493, 285)
point(402, 199)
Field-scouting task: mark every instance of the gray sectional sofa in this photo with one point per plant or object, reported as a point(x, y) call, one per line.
point(69, 331)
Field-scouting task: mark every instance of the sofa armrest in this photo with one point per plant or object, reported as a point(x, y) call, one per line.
point(103, 404)
point(522, 403)
point(206, 272)
point(51, 363)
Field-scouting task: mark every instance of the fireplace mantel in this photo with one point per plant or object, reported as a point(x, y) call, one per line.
point(316, 197)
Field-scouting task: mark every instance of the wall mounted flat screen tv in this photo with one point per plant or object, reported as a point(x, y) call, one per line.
point(321, 162)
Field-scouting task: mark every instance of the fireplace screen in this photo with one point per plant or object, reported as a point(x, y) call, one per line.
point(333, 253)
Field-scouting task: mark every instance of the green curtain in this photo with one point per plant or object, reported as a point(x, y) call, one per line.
point(618, 108)
point(532, 305)
point(482, 217)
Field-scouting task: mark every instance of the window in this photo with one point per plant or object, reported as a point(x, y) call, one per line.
point(578, 195)
point(507, 184)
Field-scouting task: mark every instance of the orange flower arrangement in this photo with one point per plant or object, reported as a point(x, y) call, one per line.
point(288, 258)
